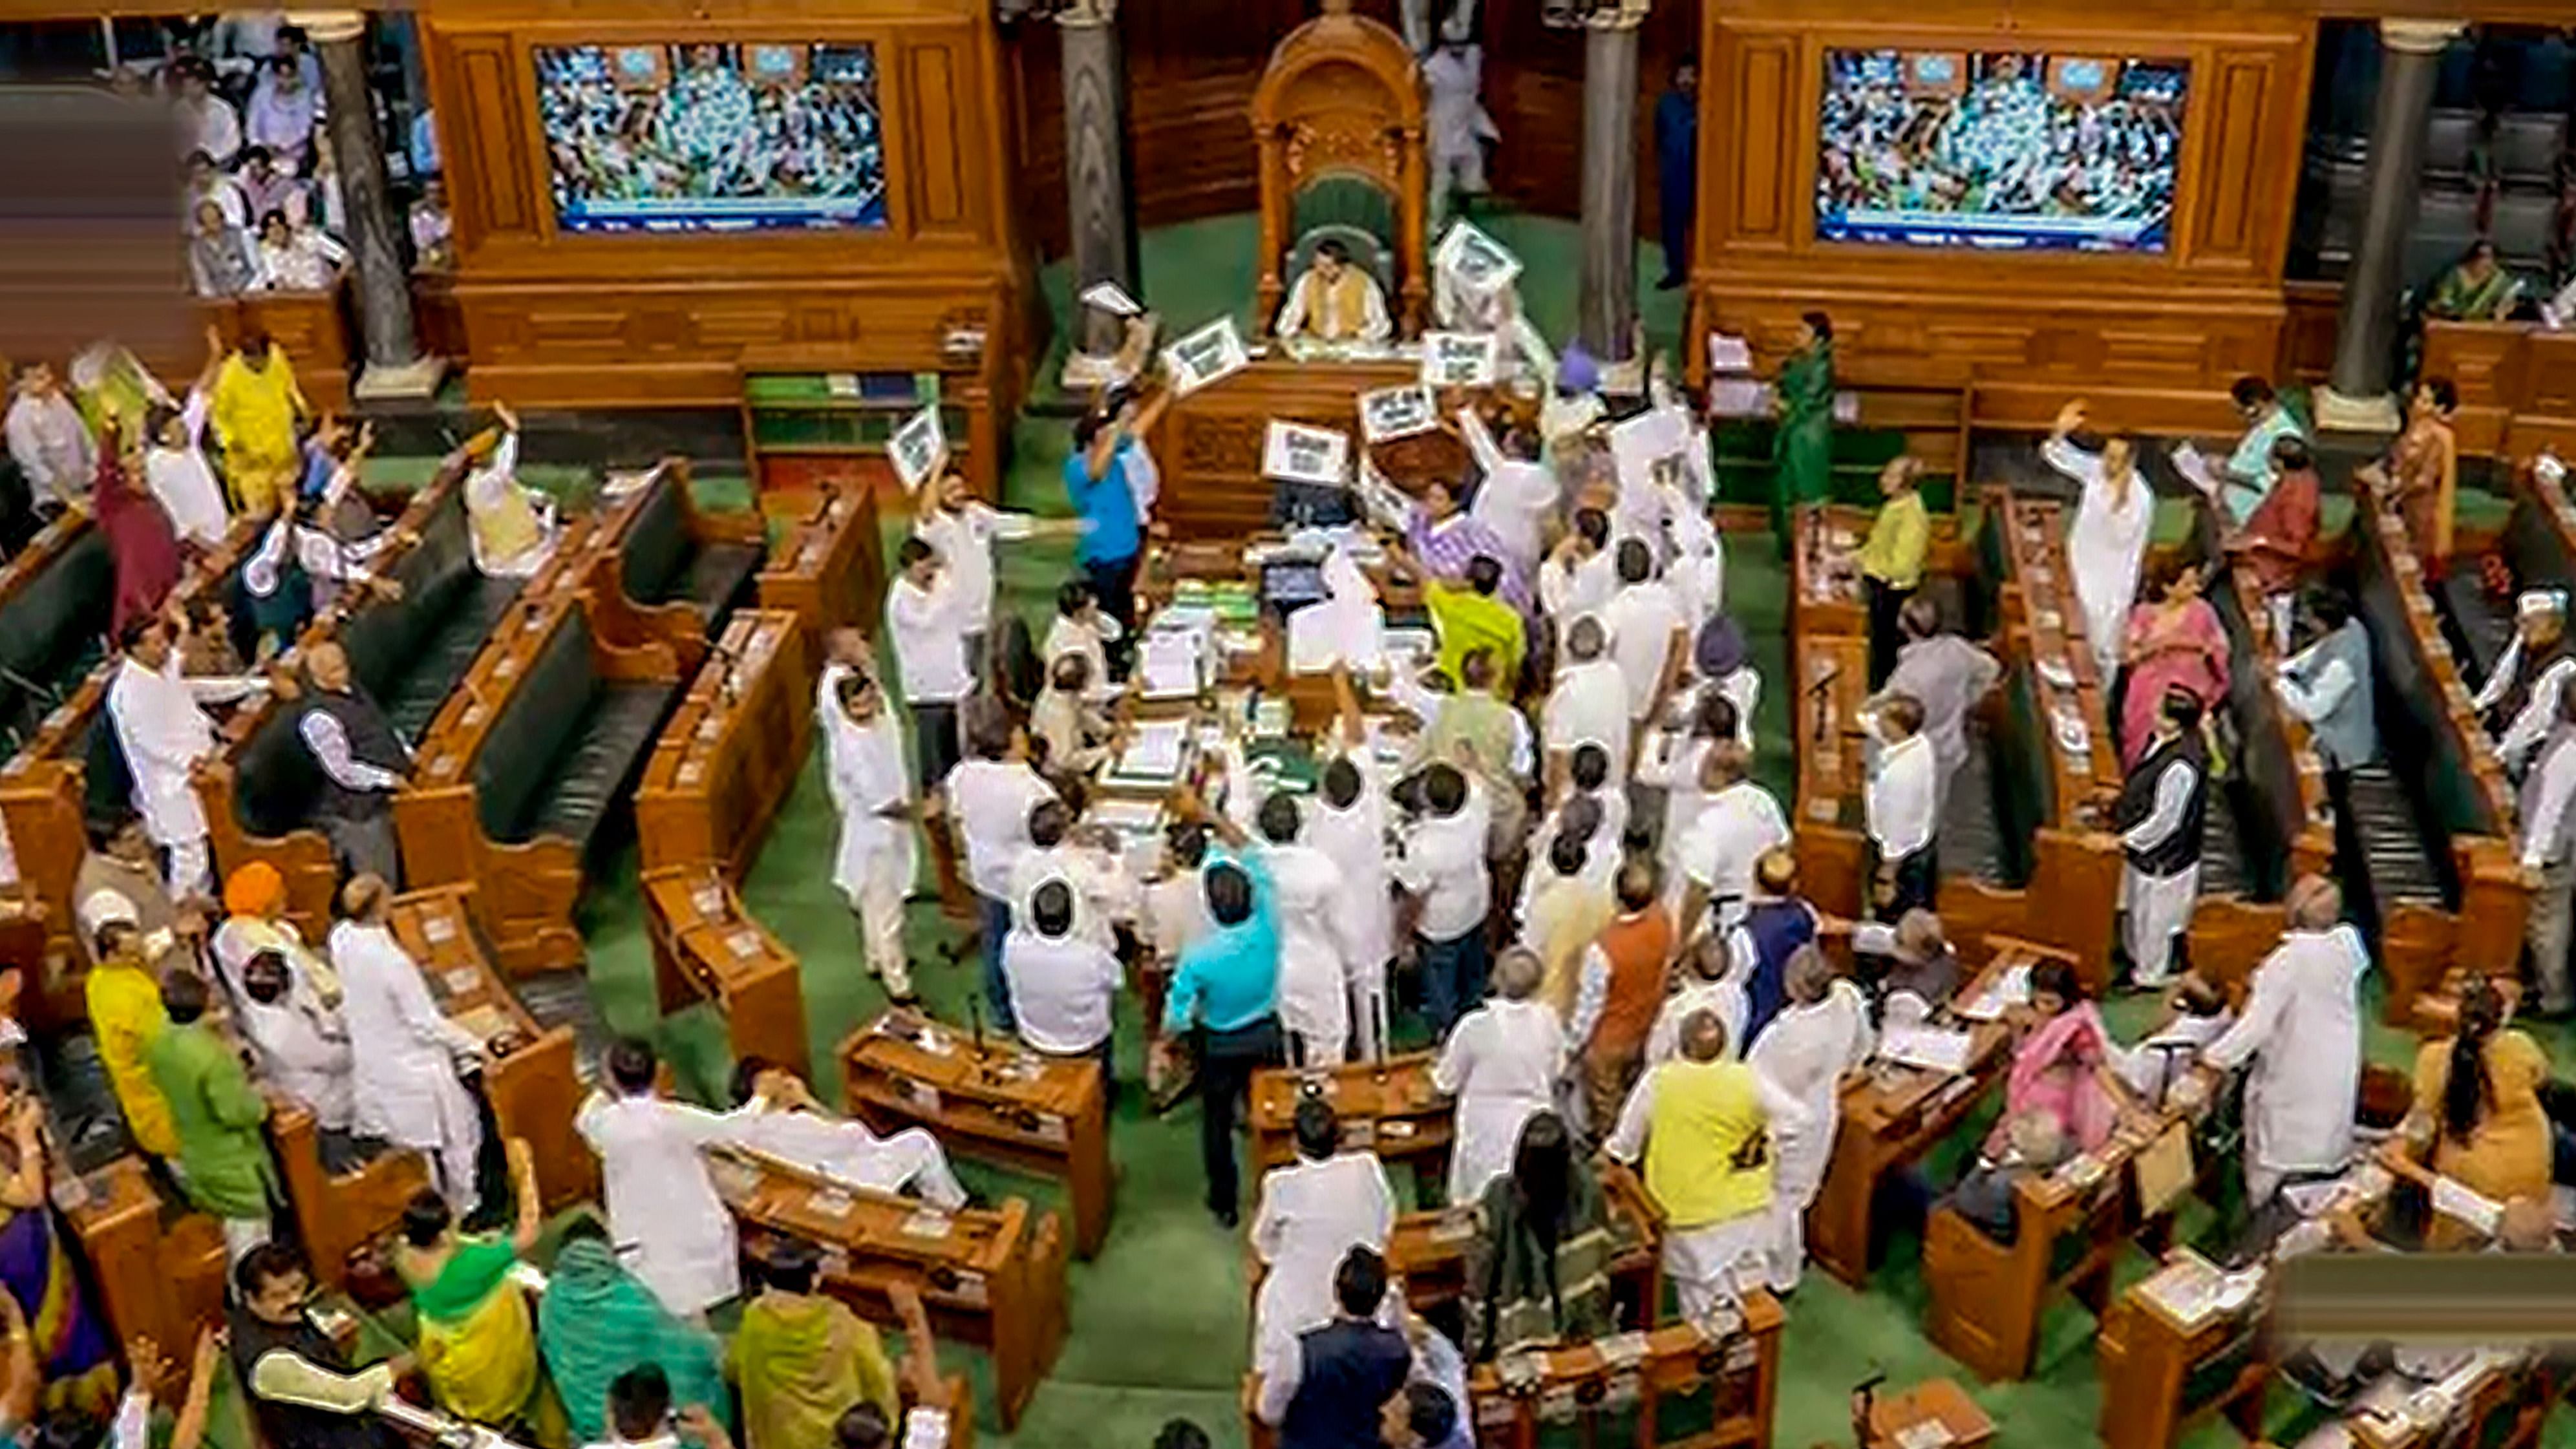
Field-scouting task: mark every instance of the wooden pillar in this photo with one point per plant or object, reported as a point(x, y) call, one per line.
point(1607, 311)
point(2356, 396)
point(394, 367)
point(1096, 189)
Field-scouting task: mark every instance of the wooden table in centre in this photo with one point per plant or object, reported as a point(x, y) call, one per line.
point(1387, 1107)
point(988, 1100)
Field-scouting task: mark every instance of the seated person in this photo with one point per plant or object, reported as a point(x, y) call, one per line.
point(2061, 1066)
point(2196, 1014)
point(1911, 965)
point(302, 1043)
point(774, 1112)
point(642, 1414)
point(2029, 1144)
point(2476, 289)
point(120, 878)
point(1334, 302)
point(1079, 738)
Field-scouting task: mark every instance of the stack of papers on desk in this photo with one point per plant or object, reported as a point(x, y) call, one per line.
point(1170, 663)
point(1127, 816)
point(1927, 1047)
point(2008, 990)
point(1153, 754)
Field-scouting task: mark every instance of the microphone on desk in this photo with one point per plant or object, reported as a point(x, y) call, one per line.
point(1864, 1398)
point(1817, 690)
point(975, 1015)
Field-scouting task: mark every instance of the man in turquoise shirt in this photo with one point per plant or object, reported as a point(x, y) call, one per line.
point(1113, 541)
point(1228, 987)
point(2247, 477)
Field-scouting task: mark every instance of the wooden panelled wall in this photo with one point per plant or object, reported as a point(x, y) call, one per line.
point(2154, 339)
point(573, 320)
point(1192, 65)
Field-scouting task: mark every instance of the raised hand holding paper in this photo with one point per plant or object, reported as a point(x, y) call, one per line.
point(1475, 260)
point(919, 448)
point(1460, 359)
point(1397, 412)
point(1212, 352)
point(1300, 454)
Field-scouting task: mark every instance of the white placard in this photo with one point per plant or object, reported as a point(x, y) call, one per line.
point(919, 447)
point(1460, 359)
point(1111, 298)
point(1738, 397)
point(1641, 442)
point(1397, 412)
point(1729, 353)
point(1301, 454)
point(1210, 353)
point(1474, 260)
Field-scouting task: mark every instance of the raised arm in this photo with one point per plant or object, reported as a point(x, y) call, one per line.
point(523, 1185)
point(1346, 707)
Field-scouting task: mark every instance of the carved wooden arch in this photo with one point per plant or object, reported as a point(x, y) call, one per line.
point(1342, 94)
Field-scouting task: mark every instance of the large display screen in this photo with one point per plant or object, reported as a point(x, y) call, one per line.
point(2006, 150)
point(712, 137)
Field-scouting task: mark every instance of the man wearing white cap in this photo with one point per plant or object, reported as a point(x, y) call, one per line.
point(2520, 700)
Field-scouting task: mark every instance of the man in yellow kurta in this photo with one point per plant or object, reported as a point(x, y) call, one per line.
point(125, 1012)
point(1334, 302)
point(1472, 618)
point(256, 406)
point(1891, 561)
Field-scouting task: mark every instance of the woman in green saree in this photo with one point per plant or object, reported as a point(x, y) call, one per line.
point(478, 1344)
point(1803, 447)
point(598, 1320)
point(2476, 289)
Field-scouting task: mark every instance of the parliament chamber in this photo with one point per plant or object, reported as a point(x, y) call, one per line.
point(728, 592)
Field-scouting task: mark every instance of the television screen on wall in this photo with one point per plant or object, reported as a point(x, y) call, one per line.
point(1999, 150)
point(704, 137)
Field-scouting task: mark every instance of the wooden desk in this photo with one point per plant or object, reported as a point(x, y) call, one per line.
point(535, 1086)
point(1035, 1114)
point(160, 1269)
point(1940, 1401)
point(1740, 1371)
point(1389, 1108)
point(1891, 1115)
point(2150, 1359)
point(1825, 595)
point(1829, 674)
point(829, 569)
point(338, 1213)
point(1210, 451)
point(993, 1276)
point(2517, 383)
point(706, 947)
point(729, 756)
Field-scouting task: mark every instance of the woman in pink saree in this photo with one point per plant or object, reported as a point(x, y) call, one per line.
point(2062, 1066)
point(2176, 642)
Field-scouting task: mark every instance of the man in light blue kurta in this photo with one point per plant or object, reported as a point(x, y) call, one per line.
point(2246, 480)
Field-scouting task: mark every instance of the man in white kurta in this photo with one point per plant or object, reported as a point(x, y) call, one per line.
point(1502, 1064)
point(1518, 495)
point(404, 1052)
point(1312, 1212)
point(1709, 982)
point(164, 731)
point(2301, 1035)
point(1453, 78)
point(175, 467)
point(1820, 1034)
point(1347, 822)
point(1588, 702)
point(1311, 900)
point(962, 528)
point(1738, 820)
point(774, 1112)
point(1646, 628)
point(867, 771)
point(2108, 539)
point(303, 1045)
point(671, 1228)
point(2538, 649)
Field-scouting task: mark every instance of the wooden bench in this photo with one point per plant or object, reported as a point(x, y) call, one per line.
point(829, 568)
point(731, 754)
point(535, 1081)
point(2269, 822)
point(522, 777)
point(1829, 672)
point(988, 1100)
point(160, 1270)
point(339, 1213)
point(1892, 1114)
point(2434, 818)
point(1390, 1108)
point(55, 597)
point(676, 573)
point(706, 947)
point(2538, 545)
point(988, 1276)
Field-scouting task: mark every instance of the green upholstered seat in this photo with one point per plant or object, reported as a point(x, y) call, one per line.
point(1352, 209)
point(275, 780)
point(409, 653)
point(52, 631)
point(559, 758)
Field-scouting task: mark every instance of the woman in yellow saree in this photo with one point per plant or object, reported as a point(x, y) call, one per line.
point(478, 1342)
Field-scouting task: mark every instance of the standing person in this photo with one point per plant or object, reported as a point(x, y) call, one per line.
point(2301, 1032)
point(510, 526)
point(1588, 703)
point(141, 547)
point(2246, 479)
point(1459, 128)
point(1739, 821)
point(478, 1341)
point(2327, 687)
point(223, 1153)
point(1442, 865)
point(1538, 1272)
point(1518, 495)
point(641, 1415)
point(1473, 618)
point(125, 1016)
point(1502, 1065)
point(927, 617)
point(871, 791)
point(1327, 1389)
point(256, 409)
point(175, 462)
point(1777, 922)
point(1313, 1211)
point(1227, 991)
point(406, 1053)
point(1442, 540)
point(951, 519)
point(1947, 675)
point(2173, 645)
point(1649, 638)
point(1677, 168)
point(1137, 405)
point(1707, 982)
point(303, 1044)
point(2277, 537)
point(1579, 575)
point(2160, 813)
point(1062, 984)
point(1315, 945)
point(1821, 1034)
point(803, 1358)
point(118, 879)
point(2421, 477)
point(2519, 702)
point(990, 796)
point(1623, 984)
point(1891, 560)
point(1113, 540)
point(1902, 804)
point(1348, 825)
point(596, 1322)
point(2107, 542)
point(2548, 857)
point(361, 763)
point(50, 441)
point(2477, 1118)
point(1802, 448)
point(655, 1186)
point(1572, 901)
point(1704, 1127)
point(1081, 629)
point(277, 1350)
point(162, 728)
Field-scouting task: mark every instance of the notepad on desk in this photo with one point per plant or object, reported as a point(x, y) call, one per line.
point(1154, 751)
point(1927, 1047)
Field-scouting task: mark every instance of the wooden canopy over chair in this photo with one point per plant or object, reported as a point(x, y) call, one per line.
point(1339, 119)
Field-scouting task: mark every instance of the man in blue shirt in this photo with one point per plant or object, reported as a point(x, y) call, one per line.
point(1676, 167)
point(1113, 540)
point(1228, 987)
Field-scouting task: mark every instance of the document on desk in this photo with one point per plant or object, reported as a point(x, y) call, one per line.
point(1169, 664)
point(1154, 751)
point(1927, 1047)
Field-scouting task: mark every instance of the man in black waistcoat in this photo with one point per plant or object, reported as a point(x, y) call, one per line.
point(1327, 1393)
point(2159, 818)
point(276, 1346)
point(362, 762)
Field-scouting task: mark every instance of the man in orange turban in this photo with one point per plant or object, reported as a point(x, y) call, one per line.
point(255, 922)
